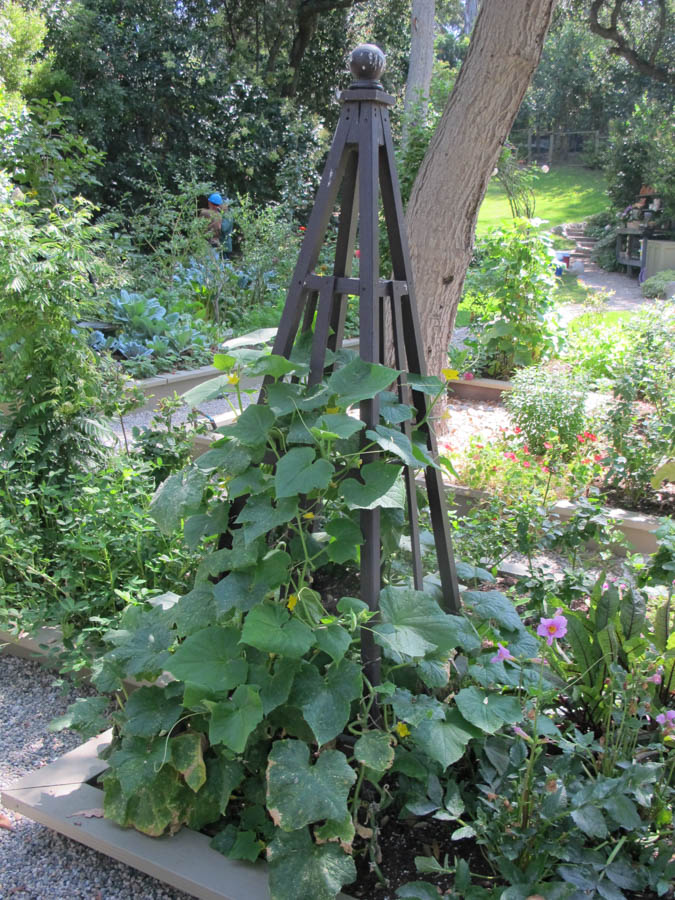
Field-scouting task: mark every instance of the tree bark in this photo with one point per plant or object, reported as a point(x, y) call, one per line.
point(421, 64)
point(505, 49)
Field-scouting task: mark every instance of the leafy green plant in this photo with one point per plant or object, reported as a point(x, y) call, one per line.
point(56, 390)
point(509, 469)
point(510, 293)
point(152, 339)
point(546, 404)
point(77, 547)
point(165, 445)
point(656, 285)
point(266, 646)
point(638, 440)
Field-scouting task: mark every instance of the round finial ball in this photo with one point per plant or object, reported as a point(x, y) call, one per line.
point(367, 62)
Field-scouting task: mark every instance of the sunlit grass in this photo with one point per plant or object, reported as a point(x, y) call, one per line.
point(565, 194)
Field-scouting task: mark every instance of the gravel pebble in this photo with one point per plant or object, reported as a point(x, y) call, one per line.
point(36, 863)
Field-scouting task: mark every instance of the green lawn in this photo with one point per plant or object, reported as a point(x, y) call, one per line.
point(565, 194)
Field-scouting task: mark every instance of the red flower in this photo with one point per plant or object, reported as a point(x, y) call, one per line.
point(302, 228)
point(467, 376)
point(479, 446)
point(517, 430)
point(357, 254)
point(591, 437)
point(526, 463)
point(586, 461)
point(526, 449)
point(598, 457)
point(581, 438)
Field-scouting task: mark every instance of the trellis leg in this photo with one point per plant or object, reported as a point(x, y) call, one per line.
point(369, 342)
point(400, 255)
point(403, 395)
point(344, 250)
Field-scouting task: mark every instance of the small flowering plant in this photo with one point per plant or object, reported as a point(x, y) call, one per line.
point(509, 468)
point(553, 628)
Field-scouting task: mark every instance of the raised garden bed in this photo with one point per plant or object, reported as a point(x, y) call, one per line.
point(167, 384)
point(61, 796)
point(478, 388)
point(638, 528)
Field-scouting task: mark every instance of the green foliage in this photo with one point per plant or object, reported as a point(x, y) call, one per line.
point(42, 154)
point(163, 444)
point(22, 33)
point(656, 285)
point(638, 440)
point(518, 181)
point(77, 547)
point(509, 292)
point(152, 339)
point(640, 152)
point(54, 408)
point(203, 89)
point(269, 669)
point(546, 404)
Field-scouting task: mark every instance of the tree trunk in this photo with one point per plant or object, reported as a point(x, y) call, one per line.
point(470, 13)
point(421, 64)
point(505, 49)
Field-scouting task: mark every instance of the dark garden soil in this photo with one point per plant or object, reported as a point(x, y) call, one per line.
point(401, 840)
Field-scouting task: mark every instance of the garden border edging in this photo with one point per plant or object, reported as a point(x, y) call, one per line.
point(60, 797)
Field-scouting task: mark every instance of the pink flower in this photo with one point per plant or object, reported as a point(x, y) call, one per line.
point(545, 469)
point(509, 454)
point(503, 653)
point(667, 718)
point(598, 457)
point(468, 376)
point(526, 464)
point(519, 731)
point(581, 438)
point(357, 254)
point(526, 449)
point(548, 445)
point(655, 678)
point(605, 586)
point(555, 627)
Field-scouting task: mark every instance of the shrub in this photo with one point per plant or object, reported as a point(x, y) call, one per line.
point(511, 296)
point(73, 546)
point(656, 285)
point(545, 404)
point(54, 385)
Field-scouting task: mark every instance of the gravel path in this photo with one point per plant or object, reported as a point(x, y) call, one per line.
point(35, 863)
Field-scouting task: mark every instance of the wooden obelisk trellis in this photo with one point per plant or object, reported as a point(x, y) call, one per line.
point(361, 158)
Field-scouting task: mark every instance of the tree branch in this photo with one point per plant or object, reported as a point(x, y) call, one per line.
point(612, 33)
point(307, 20)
